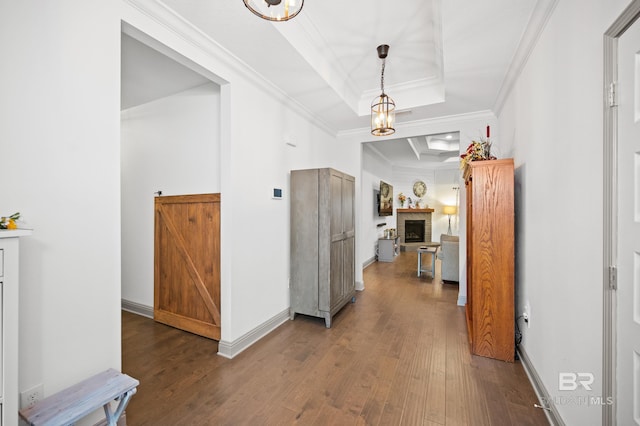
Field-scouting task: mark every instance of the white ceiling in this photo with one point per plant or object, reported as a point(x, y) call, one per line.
point(446, 57)
point(148, 75)
point(430, 151)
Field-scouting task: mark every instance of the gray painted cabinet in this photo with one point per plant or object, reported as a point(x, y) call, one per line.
point(387, 249)
point(322, 242)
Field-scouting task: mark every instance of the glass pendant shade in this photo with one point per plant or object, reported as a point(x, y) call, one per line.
point(383, 116)
point(275, 10)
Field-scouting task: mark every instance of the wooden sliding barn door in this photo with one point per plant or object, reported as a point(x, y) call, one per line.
point(187, 263)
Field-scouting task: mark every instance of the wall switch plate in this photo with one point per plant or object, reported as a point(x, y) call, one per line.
point(276, 194)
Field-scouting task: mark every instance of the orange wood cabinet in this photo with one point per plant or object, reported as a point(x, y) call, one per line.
point(490, 258)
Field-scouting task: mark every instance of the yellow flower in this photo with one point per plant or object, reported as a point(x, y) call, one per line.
point(9, 222)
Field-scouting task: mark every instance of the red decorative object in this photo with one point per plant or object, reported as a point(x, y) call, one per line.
point(488, 132)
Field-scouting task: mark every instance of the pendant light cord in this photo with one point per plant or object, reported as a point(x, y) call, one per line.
point(382, 76)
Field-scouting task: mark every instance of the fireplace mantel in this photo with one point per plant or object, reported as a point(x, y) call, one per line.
point(415, 210)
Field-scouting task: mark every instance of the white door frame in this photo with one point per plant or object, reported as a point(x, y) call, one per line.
point(610, 209)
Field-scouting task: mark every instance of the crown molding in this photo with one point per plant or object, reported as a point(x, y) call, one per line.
point(169, 19)
point(307, 40)
point(410, 94)
point(542, 11)
point(411, 128)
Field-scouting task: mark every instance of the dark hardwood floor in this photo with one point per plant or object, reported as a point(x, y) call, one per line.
point(398, 356)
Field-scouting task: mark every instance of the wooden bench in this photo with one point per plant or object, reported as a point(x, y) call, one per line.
point(70, 405)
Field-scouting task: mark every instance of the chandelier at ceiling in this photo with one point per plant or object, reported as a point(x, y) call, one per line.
point(383, 109)
point(275, 10)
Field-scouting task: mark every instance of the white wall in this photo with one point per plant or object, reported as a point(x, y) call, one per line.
point(374, 169)
point(259, 161)
point(173, 145)
point(403, 180)
point(553, 122)
point(60, 167)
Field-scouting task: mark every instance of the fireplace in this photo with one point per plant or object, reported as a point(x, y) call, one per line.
point(410, 238)
point(414, 231)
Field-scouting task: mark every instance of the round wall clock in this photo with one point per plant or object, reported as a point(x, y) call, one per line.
point(419, 189)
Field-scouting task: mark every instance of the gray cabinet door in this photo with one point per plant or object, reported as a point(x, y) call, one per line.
point(342, 266)
point(349, 245)
point(322, 242)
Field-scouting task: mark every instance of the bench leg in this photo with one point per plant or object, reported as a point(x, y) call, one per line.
point(112, 418)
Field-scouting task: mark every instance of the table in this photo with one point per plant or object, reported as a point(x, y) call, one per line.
point(430, 249)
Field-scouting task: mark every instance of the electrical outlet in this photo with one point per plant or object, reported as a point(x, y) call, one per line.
point(29, 397)
point(527, 314)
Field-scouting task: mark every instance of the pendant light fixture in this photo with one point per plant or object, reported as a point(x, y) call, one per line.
point(275, 10)
point(383, 109)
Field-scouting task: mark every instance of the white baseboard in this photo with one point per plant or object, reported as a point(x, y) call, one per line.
point(137, 308)
point(368, 262)
point(231, 349)
point(544, 399)
point(462, 300)
point(225, 349)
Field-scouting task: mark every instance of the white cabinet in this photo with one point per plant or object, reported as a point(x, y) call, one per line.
point(387, 249)
point(1, 334)
point(9, 245)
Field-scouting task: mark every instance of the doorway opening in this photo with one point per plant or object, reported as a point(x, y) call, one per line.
point(171, 124)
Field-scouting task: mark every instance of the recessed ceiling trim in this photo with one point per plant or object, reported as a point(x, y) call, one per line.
point(411, 94)
point(428, 29)
point(305, 37)
point(412, 128)
point(413, 148)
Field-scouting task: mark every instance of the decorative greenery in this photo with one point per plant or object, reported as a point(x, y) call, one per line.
point(477, 150)
point(9, 222)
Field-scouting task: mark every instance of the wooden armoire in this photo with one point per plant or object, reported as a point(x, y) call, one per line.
point(322, 242)
point(490, 258)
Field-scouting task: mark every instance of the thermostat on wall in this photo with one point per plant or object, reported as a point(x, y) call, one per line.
point(277, 194)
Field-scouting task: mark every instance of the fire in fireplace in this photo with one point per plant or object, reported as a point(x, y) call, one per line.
point(414, 231)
